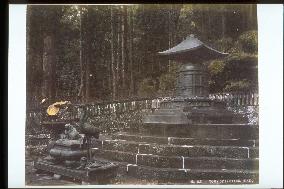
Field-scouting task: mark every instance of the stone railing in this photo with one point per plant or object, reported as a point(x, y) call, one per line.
point(98, 109)
point(114, 116)
point(250, 99)
point(237, 99)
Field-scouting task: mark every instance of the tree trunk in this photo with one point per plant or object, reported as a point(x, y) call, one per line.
point(87, 76)
point(54, 52)
point(123, 45)
point(81, 89)
point(223, 22)
point(39, 65)
point(47, 66)
point(50, 52)
point(109, 77)
point(113, 56)
point(118, 61)
point(52, 89)
point(208, 23)
point(88, 60)
point(169, 34)
point(29, 59)
point(34, 55)
point(251, 17)
point(176, 22)
point(131, 51)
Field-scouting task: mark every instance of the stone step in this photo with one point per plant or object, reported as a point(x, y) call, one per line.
point(165, 111)
point(178, 162)
point(216, 131)
point(185, 141)
point(186, 176)
point(177, 150)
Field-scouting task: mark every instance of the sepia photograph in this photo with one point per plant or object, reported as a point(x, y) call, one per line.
point(142, 94)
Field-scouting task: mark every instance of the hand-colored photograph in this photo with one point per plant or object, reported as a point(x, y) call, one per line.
point(142, 94)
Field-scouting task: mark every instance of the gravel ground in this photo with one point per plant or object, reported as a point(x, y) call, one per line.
point(48, 179)
point(32, 178)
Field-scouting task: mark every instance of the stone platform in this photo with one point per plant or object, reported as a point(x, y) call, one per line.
point(181, 153)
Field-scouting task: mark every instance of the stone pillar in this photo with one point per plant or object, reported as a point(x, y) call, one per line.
point(192, 81)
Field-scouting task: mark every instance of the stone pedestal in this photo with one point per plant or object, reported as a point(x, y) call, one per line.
point(67, 157)
point(192, 104)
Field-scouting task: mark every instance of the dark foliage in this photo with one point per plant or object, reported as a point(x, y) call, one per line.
point(102, 53)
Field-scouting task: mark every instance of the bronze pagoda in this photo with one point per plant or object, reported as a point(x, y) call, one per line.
point(191, 103)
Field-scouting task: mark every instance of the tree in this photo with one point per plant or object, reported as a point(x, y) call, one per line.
point(103, 52)
point(82, 70)
point(34, 54)
point(124, 33)
point(113, 68)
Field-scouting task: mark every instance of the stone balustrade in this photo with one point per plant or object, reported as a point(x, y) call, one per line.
point(233, 99)
point(119, 113)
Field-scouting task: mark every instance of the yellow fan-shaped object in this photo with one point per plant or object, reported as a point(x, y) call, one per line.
point(53, 109)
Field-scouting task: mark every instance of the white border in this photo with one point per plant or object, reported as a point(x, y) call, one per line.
point(270, 32)
point(16, 95)
point(270, 54)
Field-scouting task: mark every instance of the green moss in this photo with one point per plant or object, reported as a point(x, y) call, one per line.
point(216, 67)
point(146, 88)
point(243, 85)
point(248, 41)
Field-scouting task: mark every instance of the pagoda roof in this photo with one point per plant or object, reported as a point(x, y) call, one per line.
point(192, 50)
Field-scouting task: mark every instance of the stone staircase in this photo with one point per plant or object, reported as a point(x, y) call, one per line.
point(182, 153)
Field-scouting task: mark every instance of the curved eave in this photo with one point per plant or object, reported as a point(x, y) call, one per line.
point(218, 52)
point(173, 52)
point(190, 43)
point(196, 54)
point(170, 51)
point(193, 50)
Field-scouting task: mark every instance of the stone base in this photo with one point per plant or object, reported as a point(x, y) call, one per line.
point(101, 174)
point(201, 131)
point(191, 111)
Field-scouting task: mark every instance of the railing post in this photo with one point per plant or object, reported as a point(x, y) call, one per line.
point(236, 99)
point(146, 104)
point(132, 105)
point(248, 100)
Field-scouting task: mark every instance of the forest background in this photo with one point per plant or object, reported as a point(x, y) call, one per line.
point(101, 53)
